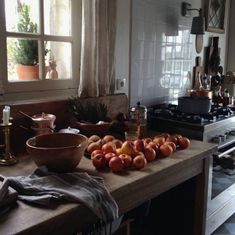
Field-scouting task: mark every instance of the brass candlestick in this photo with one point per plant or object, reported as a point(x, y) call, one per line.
point(6, 158)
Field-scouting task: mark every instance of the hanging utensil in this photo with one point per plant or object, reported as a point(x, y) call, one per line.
point(26, 115)
point(200, 82)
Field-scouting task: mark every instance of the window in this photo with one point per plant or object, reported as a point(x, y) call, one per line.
point(39, 45)
point(177, 62)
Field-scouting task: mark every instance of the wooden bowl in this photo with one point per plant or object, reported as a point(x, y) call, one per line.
point(89, 129)
point(60, 152)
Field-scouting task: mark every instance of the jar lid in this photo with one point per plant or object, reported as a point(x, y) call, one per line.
point(138, 107)
point(69, 130)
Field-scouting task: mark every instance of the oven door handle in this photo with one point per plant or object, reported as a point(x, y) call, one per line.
point(219, 155)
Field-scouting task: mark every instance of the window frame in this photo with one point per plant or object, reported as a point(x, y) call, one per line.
point(46, 86)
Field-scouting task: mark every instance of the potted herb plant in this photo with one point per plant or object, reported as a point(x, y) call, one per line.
point(90, 116)
point(25, 51)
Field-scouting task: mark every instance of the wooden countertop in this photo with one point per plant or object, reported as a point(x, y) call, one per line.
point(127, 188)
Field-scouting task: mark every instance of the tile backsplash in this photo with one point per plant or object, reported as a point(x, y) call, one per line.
point(161, 52)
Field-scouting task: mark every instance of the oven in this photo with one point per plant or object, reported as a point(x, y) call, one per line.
point(218, 127)
point(221, 187)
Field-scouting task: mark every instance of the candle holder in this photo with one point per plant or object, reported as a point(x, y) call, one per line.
point(6, 158)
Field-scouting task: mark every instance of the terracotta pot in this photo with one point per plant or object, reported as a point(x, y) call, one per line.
point(27, 72)
point(89, 129)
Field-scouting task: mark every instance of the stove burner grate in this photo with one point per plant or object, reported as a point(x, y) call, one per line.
point(171, 112)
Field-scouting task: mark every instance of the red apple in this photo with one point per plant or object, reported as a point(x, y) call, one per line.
point(177, 136)
point(172, 144)
point(127, 159)
point(98, 161)
point(138, 153)
point(93, 146)
point(147, 140)
point(159, 140)
point(172, 138)
point(117, 142)
point(139, 162)
point(108, 156)
point(94, 138)
point(183, 142)
point(96, 152)
point(165, 150)
point(108, 148)
point(108, 138)
point(139, 145)
point(153, 145)
point(149, 154)
point(128, 148)
point(116, 164)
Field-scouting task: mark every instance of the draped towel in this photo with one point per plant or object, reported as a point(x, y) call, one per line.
point(43, 187)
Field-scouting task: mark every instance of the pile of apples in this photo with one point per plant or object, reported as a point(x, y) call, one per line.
point(118, 155)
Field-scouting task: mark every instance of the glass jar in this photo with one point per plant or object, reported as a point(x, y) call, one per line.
point(138, 117)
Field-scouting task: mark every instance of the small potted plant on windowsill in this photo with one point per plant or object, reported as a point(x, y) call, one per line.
point(25, 51)
point(89, 117)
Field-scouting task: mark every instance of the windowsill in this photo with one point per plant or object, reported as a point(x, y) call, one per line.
point(30, 97)
point(35, 97)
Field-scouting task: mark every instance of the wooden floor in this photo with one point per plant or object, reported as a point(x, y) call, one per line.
point(228, 228)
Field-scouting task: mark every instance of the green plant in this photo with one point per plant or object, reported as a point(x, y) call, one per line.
point(88, 111)
point(25, 52)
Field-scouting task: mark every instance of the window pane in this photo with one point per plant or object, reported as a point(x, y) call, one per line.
point(22, 15)
point(57, 15)
point(58, 60)
point(22, 54)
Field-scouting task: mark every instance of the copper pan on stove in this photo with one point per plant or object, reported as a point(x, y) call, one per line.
point(201, 93)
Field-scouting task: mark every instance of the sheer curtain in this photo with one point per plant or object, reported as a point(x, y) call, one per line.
point(97, 74)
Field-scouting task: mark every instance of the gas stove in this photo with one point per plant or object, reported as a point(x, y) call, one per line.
point(217, 126)
point(171, 112)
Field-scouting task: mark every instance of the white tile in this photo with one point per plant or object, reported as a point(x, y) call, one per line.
point(158, 58)
point(149, 31)
point(149, 50)
point(138, 52)
point(140, 88)
point(138, 29)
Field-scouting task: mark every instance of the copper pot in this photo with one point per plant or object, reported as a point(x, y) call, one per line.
point(201, 93)
point(44, 120)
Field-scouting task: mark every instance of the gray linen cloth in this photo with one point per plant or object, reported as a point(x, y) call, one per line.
point(43, 187)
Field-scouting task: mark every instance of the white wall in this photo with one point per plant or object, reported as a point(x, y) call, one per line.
point(123, 45)
point(161, 60)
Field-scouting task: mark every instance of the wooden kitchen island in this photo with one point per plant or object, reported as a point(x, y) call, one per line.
point(130, 189)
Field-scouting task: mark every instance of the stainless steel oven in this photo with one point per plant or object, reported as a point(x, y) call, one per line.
point(221, 187)
point(218, 127)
